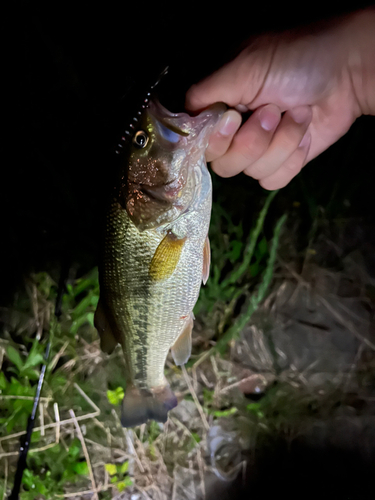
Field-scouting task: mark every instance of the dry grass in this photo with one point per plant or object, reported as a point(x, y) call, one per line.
point(174, 460)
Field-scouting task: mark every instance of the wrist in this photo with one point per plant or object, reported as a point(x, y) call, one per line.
point(360, 31)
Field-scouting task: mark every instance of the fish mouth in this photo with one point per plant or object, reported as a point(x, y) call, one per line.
point(185, 124)
point(156, 194)
point(166, 193)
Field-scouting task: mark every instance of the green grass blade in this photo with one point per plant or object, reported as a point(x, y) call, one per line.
point(257, 298)
point(249, 251)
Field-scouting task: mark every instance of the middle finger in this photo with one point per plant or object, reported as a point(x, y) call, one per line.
point(285, 141)
point(250, 142)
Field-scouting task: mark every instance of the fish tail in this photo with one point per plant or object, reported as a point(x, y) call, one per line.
point(139, 406)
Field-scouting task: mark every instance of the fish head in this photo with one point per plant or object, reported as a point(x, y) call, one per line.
point(157, 178)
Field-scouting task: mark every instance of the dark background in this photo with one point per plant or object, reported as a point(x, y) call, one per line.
point(74, 71)
point(73, 74)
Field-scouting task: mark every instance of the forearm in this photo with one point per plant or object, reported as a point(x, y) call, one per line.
point(360, 31)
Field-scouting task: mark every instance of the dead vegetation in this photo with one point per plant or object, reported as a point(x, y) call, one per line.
point(306, 358)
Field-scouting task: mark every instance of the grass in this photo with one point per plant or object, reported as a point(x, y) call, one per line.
point(78, 445)
point(78, 409)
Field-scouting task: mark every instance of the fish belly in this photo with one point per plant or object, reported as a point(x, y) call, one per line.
point(145, 315)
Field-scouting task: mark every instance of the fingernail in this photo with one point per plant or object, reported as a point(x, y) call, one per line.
point(269, 117)
point(229, 123)
point(301, 114)
point(242, 108)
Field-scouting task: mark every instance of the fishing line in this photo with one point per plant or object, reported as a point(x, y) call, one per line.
point(26, 439)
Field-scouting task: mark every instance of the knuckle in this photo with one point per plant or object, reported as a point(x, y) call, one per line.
point(255, 171)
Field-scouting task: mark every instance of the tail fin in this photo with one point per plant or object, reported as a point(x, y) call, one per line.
point(138, 407)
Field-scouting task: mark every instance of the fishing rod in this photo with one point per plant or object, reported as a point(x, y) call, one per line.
point(26, 439)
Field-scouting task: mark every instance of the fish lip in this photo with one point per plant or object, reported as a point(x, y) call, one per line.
point(187, 123)
point(165, 193)
point(156, 195)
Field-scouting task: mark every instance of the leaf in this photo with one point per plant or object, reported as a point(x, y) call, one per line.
point(41, 488)
point(196, 437)
point(55, 449)
point(94, 300)
point(83, 284)
point(28, 479)
point(35, 437)
point(128, 481)
point(90, 318)
point(111, 469)
point(30, 373)
point(3, 381)
point(80, 309)
point(87, 317)
point(81, 468)
point(14, 357)
point(208, 396)
point(57, 381)
point(121, 485)
point(34, 359)
point(23, 404)
point(255, 409)
point(225, 413)
point(16, 388)
point(115, 397)
point(74, 449)
point(123, 468)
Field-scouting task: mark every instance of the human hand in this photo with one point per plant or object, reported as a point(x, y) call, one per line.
point(305, 89)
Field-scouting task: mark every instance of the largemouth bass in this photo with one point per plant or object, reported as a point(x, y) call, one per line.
point(156, 253)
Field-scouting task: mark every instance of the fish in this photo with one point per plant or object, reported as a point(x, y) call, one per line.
point(156, 253)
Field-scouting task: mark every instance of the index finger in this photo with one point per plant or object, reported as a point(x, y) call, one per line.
point(224, 85)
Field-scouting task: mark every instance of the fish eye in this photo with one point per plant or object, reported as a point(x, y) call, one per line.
point(140, 139)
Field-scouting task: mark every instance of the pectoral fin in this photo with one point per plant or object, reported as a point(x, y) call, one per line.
point(206, 260)
point(166, 257)
point(181, 349)
point(107, 339)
